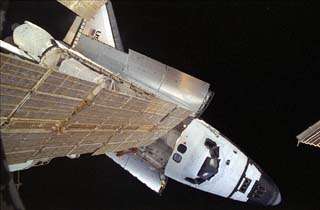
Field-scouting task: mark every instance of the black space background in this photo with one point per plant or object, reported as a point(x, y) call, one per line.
point(262, 60)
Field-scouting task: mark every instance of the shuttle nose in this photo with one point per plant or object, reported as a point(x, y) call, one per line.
point(265, 192)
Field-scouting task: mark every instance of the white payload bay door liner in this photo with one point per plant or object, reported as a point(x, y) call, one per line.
point(139, 168)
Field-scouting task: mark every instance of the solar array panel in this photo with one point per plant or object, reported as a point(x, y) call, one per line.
point(311, 136)
point(46, 113)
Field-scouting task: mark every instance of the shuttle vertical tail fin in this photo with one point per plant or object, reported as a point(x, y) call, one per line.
point(101, 27)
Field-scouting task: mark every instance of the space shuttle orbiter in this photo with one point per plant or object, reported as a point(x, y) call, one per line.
point(86, 95)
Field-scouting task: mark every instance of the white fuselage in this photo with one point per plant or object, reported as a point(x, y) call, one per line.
point(229, 166)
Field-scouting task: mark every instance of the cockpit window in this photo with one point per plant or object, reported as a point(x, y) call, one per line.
point(209, 143)
point(194, 181)
point(213, 148)
point(176, 157)
point(182, 148)
point(209, 168)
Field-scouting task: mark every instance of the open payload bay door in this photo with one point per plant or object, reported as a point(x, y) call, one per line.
point(141, 169)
